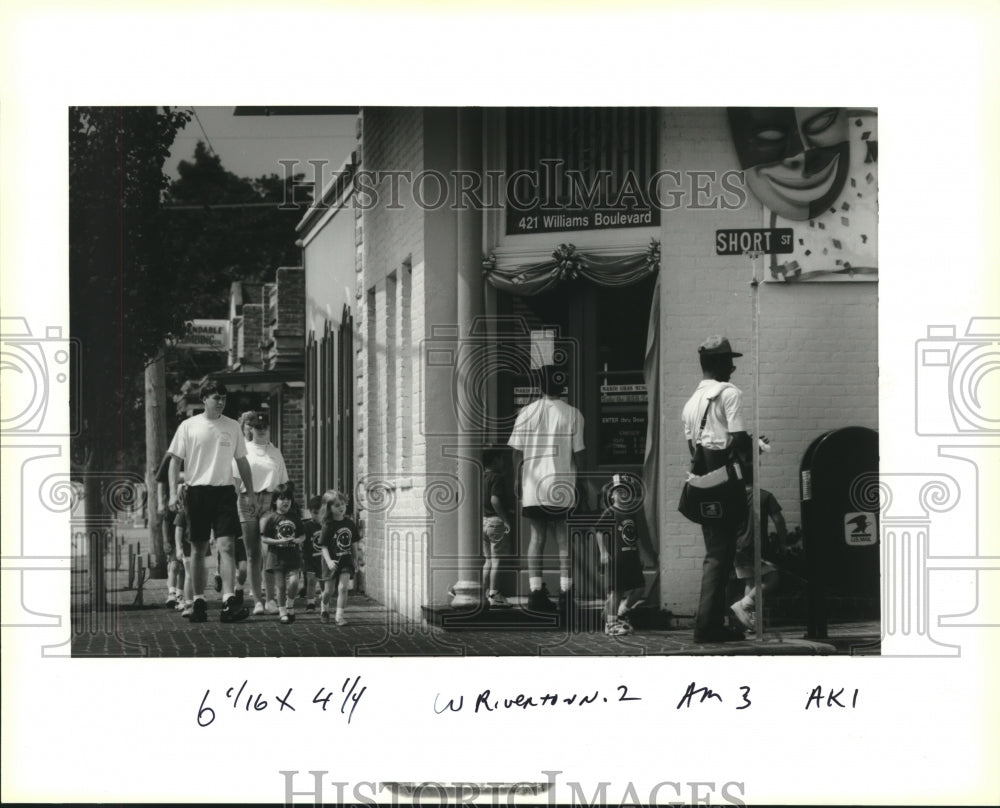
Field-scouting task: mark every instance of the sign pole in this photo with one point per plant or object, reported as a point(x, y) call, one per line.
point(755, 446)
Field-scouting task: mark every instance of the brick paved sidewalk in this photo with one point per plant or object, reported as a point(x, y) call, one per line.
point(373, 630)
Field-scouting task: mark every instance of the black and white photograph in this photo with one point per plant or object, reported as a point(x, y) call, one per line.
point(475, 380)
point(420, 405)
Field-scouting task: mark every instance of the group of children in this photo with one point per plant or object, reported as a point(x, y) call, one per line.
point(327, 547)
point(326, 550)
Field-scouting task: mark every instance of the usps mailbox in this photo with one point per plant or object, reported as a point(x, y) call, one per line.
point(839, 533)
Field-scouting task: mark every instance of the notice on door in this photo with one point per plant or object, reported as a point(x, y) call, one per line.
point(623, 439)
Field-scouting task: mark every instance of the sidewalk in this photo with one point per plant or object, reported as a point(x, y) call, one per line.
point(373, 630)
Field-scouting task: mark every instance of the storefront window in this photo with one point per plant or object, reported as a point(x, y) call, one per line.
point(600, 338)
point(622, 323)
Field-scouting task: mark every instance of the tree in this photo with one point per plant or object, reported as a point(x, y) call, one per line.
point(117, 285)
point(220, 228)
point(146, 254)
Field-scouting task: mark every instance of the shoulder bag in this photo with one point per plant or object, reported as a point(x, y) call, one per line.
point(714, 493)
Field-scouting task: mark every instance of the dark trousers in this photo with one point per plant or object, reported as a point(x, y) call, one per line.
point(720, 550)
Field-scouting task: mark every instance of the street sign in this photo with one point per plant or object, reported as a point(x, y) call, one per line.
point(764, 240)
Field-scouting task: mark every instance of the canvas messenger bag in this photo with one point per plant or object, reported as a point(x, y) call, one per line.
point(714, 493)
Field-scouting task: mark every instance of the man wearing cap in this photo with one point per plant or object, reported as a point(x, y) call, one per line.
point(724, 434)
point(208, 443)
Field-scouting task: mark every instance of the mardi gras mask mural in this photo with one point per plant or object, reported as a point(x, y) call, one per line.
point(795, 159)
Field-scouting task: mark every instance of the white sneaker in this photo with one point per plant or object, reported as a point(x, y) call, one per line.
point(742, 614)
point(258, 607)
point(496, 599)
point(272, 607)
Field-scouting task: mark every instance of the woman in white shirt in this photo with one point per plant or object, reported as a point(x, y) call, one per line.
point(268, 469)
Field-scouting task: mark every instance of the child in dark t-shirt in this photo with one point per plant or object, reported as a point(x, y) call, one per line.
point(340, 540)
point(282, 534)
point(311, 555)
point(618, 541)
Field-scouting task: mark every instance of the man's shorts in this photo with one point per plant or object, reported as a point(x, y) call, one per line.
point(546, 513)
point(212, 508)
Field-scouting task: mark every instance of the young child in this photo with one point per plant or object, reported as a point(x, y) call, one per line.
point(743, 609)
point(496, 524)
point(175, 570)
point(618, 541)
point(337, 540)
point(311, 554)
point(282, 534)
point(182, 549)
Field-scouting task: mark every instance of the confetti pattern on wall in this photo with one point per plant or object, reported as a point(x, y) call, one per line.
point(842, 243)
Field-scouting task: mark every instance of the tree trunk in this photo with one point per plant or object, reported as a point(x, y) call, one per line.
point(156, 445)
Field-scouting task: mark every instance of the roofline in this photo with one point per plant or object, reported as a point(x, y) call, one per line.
point(339, 185)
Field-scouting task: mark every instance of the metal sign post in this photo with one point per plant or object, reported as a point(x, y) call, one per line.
point(754, 517)
point(754, 243)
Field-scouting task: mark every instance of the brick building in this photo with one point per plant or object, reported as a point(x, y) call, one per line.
point(450, 301)
point(266, 359)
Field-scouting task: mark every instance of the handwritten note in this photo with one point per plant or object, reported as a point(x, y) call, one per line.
point(486, 701)
point(244, 699)
point(816, 697)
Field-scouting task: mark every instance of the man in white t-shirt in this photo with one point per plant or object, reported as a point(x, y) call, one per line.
point(207, 444)
point(548, 434)
point(720, 404)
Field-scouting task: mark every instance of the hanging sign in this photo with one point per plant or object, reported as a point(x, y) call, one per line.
point(205, 335)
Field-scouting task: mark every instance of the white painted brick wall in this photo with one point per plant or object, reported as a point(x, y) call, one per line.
point(818, 348)
point(397, 540)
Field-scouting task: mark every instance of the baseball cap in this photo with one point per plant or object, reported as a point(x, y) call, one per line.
point(717, 345)
point(259, 420)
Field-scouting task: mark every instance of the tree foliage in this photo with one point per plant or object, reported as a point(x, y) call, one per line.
point(148, 253)
point(117, 270)
point(220, 228)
